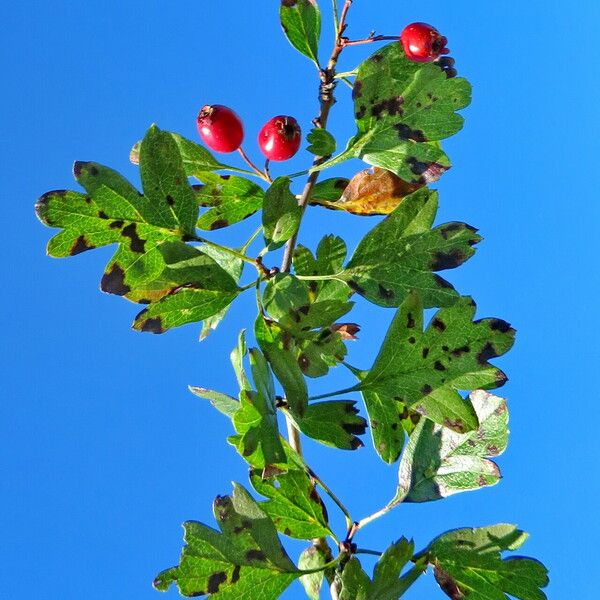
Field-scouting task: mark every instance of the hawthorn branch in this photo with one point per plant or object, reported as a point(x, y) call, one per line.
point(327, 100)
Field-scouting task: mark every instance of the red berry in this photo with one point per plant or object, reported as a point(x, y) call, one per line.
point(220, 128)
point(280, 137)
point(422, 42)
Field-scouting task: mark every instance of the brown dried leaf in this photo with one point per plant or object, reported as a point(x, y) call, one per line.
point(373, 191)
point(347, 331)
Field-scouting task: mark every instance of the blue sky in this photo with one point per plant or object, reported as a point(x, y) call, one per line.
point(104, 451)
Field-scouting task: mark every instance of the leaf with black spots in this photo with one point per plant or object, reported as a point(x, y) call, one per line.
point(329, 260)
point(386, 422)
point(301, 23)
point(113, 211)
point(373, 191)
point(245, 556)
point(401, 253)
point(277, 344)
point(314, 557)
point(281, 213)
point(255, 422)
point(468, 563)
point(196, 158)
point(321, 350)
point(388, 583)
point(439, 462)
point(424, 369)
point(294, 505)
point(322, 143)
point(335, 423)
point(288, 300)
point(184, 266)
point(231, 199)
point(402, 109)
point(186, 305)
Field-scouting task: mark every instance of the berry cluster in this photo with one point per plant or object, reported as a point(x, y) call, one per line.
point(222, 130)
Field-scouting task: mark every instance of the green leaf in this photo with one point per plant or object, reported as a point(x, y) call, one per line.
point(185, 266)
point(331, 253)
point(329, 190)
point(275, 343)
point(301, 23)
point(353, 583)
point(281, 213)
point(222, 402)
point(439, 462)
point(468, 562)
point(185, 306)
point(402, 108)
point(192, 287)
point(288, 300)
point(255, 422)
point(232, 199)
point(237, 361)
point(314, 557)
point(385, 419)
point(322, 143)
point(294, 505)
point(164, 182)
point(424, 370)
point(400, 254)
point(387, 581)
point(113, 211)
point(245, 556)
point(322, 350)
point(335, 423)
point(232, 265)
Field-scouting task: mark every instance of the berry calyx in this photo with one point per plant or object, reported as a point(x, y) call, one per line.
point(220, 128)
point(279, 138)
point(422, 42)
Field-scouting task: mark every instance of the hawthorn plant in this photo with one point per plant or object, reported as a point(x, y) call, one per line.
point(426, 395)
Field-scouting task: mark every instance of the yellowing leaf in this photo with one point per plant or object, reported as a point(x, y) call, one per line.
point(373, 191)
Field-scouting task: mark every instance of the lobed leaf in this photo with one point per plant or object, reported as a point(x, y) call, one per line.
point(222, 402)
point(113, 211)
point(244, 556)
point(401, 254)
point(294, 505)
point(322, 143)
point(255, 422)
point(231, 199)
point(234, 267)
point(439, 462)
point(422, 370)
point(402, 108)
point(334, 423)
point(468, 562)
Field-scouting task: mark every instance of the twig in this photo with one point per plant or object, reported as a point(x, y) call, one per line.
point(335, 499)
point(368, 40)
point(253, 166)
